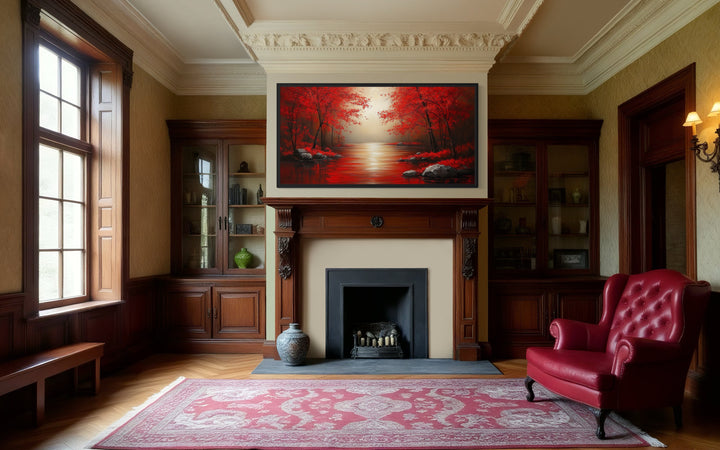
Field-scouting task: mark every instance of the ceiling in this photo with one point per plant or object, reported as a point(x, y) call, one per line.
point(207, 47)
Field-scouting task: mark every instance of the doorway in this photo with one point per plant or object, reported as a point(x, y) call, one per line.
point(657, 178)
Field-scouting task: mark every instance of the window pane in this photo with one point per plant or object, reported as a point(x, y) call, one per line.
point(49, 112)
point(49, 172)
point(70, 120)
point(49, 276)
point(48, 68)
point(49, 214)
point(73, 177)
point(73, 274)
point(73, 227)
point(70, 83)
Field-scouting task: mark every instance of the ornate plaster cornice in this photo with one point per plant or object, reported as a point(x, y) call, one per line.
point(376, 41)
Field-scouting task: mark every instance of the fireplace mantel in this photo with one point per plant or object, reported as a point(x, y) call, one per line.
point(298, 218)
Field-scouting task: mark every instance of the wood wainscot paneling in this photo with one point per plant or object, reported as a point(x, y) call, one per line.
point(704, 376)
point(12, 328)
point(140, 320)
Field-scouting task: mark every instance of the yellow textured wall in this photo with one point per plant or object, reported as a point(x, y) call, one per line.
point(220, 107)
point(150, 104)
point(538, 107)
point(10, 148)
point(697, 43)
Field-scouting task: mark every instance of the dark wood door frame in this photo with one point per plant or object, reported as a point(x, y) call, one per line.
point(631, 173)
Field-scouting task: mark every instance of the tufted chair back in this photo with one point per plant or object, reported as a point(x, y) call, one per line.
point(651, 307)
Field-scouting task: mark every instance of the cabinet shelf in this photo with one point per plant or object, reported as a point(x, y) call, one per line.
point(248, 174)
point(514, 204)
point(515, 173)
point(568, 174)
point(568, 205)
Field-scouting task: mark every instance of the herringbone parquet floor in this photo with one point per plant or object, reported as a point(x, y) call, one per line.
point(71, 422)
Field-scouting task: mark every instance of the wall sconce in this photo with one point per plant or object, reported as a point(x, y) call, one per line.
point(701, 148)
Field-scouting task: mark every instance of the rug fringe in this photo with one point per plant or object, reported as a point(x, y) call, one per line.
point(130, 414)
point(627, 424)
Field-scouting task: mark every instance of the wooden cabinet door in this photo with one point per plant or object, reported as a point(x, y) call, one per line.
point(239, 312)
point(582, 306)
point(522, 320)
point(188, 311)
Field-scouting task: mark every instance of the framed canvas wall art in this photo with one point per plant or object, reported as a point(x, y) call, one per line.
point(377, 135)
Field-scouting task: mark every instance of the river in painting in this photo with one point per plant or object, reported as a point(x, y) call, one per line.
point(367, 163)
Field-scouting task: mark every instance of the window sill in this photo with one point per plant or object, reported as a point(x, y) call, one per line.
point(72, 309)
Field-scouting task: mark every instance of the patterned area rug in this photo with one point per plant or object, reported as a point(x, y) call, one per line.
point(379, 414)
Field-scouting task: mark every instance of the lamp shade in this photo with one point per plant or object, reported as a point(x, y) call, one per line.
point(692, 119)
point(715, 111)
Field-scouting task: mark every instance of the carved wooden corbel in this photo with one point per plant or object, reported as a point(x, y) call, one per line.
point(469, 257)
point(285, 268)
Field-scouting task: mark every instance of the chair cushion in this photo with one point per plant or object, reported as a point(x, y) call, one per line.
point(590, 369)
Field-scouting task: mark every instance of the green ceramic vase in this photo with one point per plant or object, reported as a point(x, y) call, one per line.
point(243, 258)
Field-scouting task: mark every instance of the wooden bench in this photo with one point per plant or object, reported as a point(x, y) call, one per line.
point(35, 369)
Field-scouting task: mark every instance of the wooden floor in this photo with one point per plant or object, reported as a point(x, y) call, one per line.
point(73, 421)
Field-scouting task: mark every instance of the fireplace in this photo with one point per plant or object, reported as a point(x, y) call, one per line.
point(359, 299)
point(301, 219)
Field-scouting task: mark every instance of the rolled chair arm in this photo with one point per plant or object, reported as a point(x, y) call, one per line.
point(633, 350)
point(575, 335)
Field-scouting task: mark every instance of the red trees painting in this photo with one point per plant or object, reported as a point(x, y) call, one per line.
point(377, 135)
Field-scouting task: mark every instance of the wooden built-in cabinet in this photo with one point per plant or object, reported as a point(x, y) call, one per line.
point(522, 310)
point(544, 239)
point(210, 303)
point(214, 314)
point(218, 169)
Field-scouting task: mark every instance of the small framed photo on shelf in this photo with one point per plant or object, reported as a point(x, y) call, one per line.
point(556, 196)
point(243, 228)
point(570, 258)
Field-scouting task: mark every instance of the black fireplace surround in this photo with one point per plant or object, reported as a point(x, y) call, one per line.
point(376, 295)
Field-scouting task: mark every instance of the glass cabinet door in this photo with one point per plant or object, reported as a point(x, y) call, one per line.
point(245, 212)
point(568, 209)
point(515, 207)
point(200, 217)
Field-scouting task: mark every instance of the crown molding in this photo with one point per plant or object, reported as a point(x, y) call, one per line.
point(222, 79)
point(282, 51)
point(376, 41)
point(623, 41)
point(389, 65)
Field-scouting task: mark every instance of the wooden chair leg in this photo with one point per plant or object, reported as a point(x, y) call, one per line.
point(528, 385)
point(600, 416)
point(96, 383)
point(39, 402)
point(677, 414)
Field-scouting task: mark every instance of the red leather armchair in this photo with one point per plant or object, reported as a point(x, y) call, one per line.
point(636, 357)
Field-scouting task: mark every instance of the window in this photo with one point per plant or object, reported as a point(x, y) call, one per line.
point(75, 98)
point(62, 178)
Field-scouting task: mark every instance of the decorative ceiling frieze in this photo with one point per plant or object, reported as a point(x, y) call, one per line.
point(377, 41)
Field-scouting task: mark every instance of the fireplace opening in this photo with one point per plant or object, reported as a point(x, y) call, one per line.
point(390, 304)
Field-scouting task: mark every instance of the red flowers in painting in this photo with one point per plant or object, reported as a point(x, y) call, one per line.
point(340, 135)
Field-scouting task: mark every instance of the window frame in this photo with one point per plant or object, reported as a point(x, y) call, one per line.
point(107, 65)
